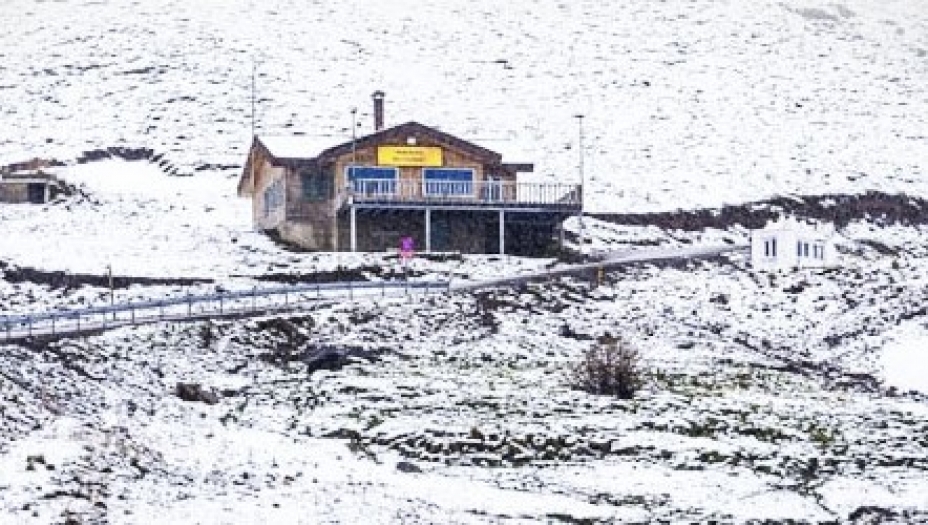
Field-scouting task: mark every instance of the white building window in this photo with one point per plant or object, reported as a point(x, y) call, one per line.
point(802, 249)
point(770, 247)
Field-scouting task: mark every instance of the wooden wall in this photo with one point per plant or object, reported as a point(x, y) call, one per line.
point(310, 223)
point(266, 174)
point(14, 192)
point(322, 226)
point(17, 192)
point(451, 158)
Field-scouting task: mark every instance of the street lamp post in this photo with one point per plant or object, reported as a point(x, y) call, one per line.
point(579, 118)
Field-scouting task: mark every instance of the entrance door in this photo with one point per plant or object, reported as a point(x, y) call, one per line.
point(441, 233)
point(36, 193)
point(493, 190)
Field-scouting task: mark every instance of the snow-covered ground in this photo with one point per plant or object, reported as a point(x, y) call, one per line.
point(796, 395)
point(905, 358)
point(688, 103)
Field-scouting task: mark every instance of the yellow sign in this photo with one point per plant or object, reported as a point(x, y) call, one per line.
point(409, 156)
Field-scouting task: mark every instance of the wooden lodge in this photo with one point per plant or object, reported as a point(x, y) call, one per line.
point(411, 180)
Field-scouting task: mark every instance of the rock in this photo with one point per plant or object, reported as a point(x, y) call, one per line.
point(192, 392)
point(333, 358)
point(407, 467)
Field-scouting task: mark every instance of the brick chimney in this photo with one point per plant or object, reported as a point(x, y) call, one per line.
point(378, 110)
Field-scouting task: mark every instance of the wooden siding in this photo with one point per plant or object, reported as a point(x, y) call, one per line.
point(17, 192)
point(21, 191)
point(266, 174)
point(311, 223)
point(451, 158)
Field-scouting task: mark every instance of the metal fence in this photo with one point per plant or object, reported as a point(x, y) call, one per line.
point(282, 298)
point(202, 306)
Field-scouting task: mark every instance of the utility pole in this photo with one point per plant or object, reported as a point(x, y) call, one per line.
point(579, 117)
point(109, 275)
point(254, 90)
point(354, 135)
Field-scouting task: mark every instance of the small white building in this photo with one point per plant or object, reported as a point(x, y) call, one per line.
point(788, 244)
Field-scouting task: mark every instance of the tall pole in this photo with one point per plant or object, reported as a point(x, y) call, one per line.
point(253, 155)
point(254, 90)
point(354, 135)
point(109, 275)
point(579, 118)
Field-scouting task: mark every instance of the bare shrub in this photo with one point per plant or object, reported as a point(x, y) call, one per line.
point(609, 367)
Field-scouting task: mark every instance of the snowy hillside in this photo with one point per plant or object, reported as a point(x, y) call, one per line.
point(767, 396)
point(687, 104)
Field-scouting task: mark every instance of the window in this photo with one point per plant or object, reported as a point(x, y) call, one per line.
point(493, 189)
point(802, 249)
point(316, 186)
point(770, 247)
point(818, 251)
point(371, 180)
point(448, 181)
point(273, 197)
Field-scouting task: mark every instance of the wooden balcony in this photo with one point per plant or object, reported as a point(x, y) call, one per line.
point(374, 193)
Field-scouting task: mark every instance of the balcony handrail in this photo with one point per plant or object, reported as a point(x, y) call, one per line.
point(484, 192)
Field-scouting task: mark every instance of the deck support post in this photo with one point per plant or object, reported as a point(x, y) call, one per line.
point(354, 229)
point(560, 235)
point(428, 230)
point(502, 232)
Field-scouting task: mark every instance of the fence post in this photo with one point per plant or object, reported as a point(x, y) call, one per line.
point(30, 326)
point(78, 321)
point(189, 304)
point(318, 291)
point(161, 310)
point(350, 291)
point(132, 310)
point(254, 298)
point(286, 299)
point(220, 302)
point(383, 288)
point(53, 324)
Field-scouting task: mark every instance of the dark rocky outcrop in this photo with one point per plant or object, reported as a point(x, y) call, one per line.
point(194, 392)
point(57, 280)
point(334, 357)
point(407, 467)
point(882, 208)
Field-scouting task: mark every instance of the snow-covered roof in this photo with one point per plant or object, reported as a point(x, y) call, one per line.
point(801, 228)
point(299, 146)
point(27, 177)
point(514, 152)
